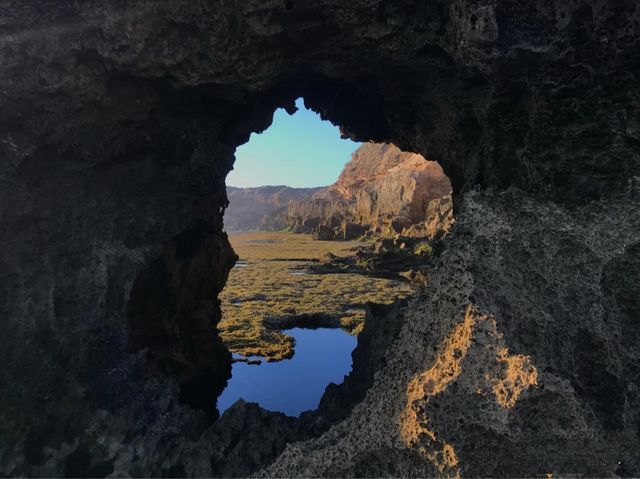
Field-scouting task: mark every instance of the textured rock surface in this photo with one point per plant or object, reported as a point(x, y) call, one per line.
point(382, 188)
point(387, 183)
point(118, 122)
point(323, 233)
point(438, 220)
point(484, 379)
point(263, 207)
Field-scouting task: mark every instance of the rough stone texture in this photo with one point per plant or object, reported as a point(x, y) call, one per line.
point(382, 326)
point(351, 231)
point(387, 183)
point(438, 220)
point(118, 122)
point(490, 372)
point(306, 216)
point(382, 188)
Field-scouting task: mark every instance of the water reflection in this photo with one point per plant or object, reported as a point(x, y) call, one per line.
point(292, 386)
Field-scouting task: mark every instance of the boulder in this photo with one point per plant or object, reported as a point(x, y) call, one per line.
point(335, 221)
point(303, 225)
point(352, 231)
point(385, 244)
point(324, 233)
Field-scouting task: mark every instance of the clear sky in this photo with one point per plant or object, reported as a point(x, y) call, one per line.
point(297, 150)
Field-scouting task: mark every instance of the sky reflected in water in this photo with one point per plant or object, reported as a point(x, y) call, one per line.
point(322, 356)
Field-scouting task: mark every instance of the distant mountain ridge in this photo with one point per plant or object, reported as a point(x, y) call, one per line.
point(258, 207)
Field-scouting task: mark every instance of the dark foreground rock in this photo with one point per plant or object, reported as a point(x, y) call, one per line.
point(246, 437)
point(454, 391)
point(384, 260)
point(118, 123)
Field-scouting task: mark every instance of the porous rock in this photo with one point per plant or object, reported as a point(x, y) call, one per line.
point(118, 123)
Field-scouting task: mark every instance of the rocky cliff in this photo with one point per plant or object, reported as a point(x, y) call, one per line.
point(262, 207)
point(382, 189)
point(118, 124)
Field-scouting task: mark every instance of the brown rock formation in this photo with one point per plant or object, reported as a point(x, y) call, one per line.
point(492, 382)
point(350, 231)
point(386, 182)
point(382, 188)
point(306, 216)
point(118, 123)
point(438, 220)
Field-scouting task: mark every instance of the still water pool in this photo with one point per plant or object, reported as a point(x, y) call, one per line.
point(322, 356)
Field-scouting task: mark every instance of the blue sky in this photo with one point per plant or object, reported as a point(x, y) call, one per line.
point(297, 150)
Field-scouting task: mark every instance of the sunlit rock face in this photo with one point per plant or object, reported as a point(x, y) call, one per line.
point(118, 124)
point(388, 182)
point(382, 189)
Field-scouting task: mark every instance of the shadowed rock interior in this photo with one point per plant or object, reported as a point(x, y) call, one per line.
point(119, 122)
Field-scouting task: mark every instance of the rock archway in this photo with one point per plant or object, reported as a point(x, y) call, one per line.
point(118, 123)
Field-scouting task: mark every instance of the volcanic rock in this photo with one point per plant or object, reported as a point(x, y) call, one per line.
point(388, 184)
point(118, 124)
point(438, 220)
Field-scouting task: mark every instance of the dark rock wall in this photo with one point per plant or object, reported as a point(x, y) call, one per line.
point(513, 363)
point(118, 122)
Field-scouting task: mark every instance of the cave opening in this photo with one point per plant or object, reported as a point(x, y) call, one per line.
point(365, 239)
point(289, 335)
point(323, 226)
point(119, 122)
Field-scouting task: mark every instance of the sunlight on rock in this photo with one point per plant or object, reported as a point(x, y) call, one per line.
point(491, 368)
point(520, 374)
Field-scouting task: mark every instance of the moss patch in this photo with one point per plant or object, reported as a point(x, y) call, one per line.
point(270, 286)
